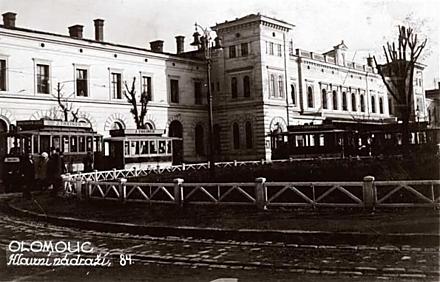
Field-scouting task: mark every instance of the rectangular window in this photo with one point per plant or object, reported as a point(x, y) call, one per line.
point(279, 50)
point(244, 49)
point(174, 85)
point(81, 83)
point(198, 92)
point(270, 48)
point(43, 79)
point(146, 87)
point(116, 85)
point(2, 75)
point(232, 53)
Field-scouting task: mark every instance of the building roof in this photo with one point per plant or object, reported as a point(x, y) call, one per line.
point(254, 18)
point(86, 40)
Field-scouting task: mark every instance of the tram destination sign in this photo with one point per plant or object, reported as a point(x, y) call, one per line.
point(31, 124)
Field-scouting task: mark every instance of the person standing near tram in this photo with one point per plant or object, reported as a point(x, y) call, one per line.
point(41, 171)
point(54, 171)
point(27, 172)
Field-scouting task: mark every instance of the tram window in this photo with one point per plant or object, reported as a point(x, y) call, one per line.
point(169, 146)
point(126, 148)
point(35, 141)
point(153, 149)
point(162, 146)
point(299, 140)
point(44, 143)
point(97, 144)
point(56, 141)
point(89, 144)
point(81, 143)
point(312, 140)
point(134, 148)
point(144, 148)
point(65, 144)
point(321, 140)
point(73, 144)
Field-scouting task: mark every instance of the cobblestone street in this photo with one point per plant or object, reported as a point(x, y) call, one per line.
point(209, 259)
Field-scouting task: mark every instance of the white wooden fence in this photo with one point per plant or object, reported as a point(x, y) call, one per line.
point(366, 194)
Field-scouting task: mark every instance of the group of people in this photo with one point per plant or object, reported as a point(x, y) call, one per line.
point(46, 170)
point(43, 172)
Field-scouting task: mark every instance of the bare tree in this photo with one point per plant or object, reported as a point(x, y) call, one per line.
point(397, 74)
point(139, 108)
point(64, 104)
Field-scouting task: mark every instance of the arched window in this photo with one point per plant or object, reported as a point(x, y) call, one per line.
point(273, 86)
point(234, 89)
point(117, 125)
point(199, 140)
point(280, 86)
point(362, 103)
point(293, 93)
point(236, 135)
point(246, 86)
point(353, 102)
point(380, 105)
point(335, 100)
point(324, 99)
point(373, 104)
point(249, 141)
point(344, 101)
point(149, 125)
point(309, 97)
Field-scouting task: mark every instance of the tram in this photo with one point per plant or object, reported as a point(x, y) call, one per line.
point(345, 140)
point(140, 148)
point(74, 139)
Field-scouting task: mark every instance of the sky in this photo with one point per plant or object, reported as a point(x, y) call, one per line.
point(364, 25)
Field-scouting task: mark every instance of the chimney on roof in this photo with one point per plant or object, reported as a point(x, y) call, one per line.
point(370, 61)
point(99, 29)
point(76, 31)
point(9, 19)
point(156, 46)
point(180, 42)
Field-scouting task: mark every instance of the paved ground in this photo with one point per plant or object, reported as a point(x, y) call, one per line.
point(189, 259)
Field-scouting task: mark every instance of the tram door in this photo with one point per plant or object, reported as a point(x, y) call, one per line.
point(3, 144)
point(176, 130)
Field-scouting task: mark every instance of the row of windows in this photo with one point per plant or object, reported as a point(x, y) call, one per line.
point(354, 108)
point(271, 48)
point(234, 50)
point(246, 86)
point(82, 82)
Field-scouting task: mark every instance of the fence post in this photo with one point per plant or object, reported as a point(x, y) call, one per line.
point(368, 192)
point(262, 161)
point(178, 192)
point(235, 162)
point(88, 190)
point(78, 186)
point(114, 173)
point(122, 189)
point(95, 174)
point(136, 172)
point(260, 193)
point(183, 166)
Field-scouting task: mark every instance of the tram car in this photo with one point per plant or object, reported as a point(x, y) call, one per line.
point(140, 148)
point(345, 140)
point(75, 141)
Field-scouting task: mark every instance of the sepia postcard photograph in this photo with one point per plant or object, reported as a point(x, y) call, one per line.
point(219, 141)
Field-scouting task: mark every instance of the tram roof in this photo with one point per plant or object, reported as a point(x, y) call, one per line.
point(52, 125)
point(140, 138)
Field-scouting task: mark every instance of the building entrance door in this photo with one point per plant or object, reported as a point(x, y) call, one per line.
point(176, 130)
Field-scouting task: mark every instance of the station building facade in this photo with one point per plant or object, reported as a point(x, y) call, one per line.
point(260, 83)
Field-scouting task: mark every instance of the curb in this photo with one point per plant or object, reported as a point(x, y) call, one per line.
point(286, 236)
